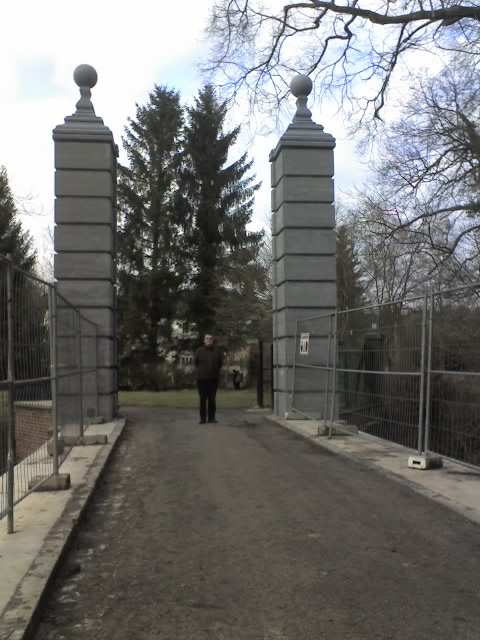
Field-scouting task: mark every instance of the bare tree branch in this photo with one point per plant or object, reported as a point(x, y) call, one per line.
point(350, 51)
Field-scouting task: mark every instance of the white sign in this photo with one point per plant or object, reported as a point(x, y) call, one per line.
point(304, 340)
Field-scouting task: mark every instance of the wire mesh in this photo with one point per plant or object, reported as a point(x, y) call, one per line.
point(313, 358)
point(48, 382)
point(68, 349)
point(407, 372)
point(380, 369)
point(363, 367)
point(4, 413)
point(25, 387)
point(453, 409)
point(88, 365)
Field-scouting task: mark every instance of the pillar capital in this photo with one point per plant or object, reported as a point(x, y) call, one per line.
point(303, 132)
point(84, 124)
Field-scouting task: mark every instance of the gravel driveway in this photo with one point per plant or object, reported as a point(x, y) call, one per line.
point(243, 531)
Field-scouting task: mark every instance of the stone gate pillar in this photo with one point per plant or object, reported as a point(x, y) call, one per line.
point(304, 267)
point(85, 219)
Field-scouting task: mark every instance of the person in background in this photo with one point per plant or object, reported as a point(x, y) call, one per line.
point(236, 379)
point(208, 362)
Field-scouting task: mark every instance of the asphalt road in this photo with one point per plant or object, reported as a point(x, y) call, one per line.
point(243, 531)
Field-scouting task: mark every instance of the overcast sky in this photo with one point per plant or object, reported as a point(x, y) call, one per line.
point(133, 47)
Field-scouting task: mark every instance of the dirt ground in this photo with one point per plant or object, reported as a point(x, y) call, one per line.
point(240, 530)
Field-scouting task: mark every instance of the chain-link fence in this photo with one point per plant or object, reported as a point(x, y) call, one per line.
point(48, 388)
point(406, 372)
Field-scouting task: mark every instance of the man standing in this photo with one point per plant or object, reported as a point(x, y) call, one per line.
point(208, 362)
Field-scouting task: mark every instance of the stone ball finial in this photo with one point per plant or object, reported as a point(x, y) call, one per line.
point(85, 76)
point(301, 85)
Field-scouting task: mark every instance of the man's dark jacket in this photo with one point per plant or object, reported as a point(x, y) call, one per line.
point(208, 361)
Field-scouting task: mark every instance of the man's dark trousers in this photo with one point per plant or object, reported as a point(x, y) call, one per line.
point(208, 391)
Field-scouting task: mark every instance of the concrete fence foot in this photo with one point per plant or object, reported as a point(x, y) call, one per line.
point(425, 462)
point(88, 440)
point(59, 482)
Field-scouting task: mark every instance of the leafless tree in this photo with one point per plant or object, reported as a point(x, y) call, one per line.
point(427, 177)
point(45, 263)
point(390, 266)
point(352, 49)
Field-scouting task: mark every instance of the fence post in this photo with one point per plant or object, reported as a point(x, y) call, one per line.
point(260, 375)
point(95, 350)
point(52, 314)
point(421, 402)
point(80, 373)
point(11, 392)
point(294, 365)
point(272, 389)
point(334, 375)
point(327, 384)
point(429, 374)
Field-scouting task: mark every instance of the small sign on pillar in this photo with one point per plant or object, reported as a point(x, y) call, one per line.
point(304, 341)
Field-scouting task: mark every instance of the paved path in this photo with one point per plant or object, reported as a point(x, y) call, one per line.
point(241, 530)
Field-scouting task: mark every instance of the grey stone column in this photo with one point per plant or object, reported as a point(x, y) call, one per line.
point(85, 219)
point(304, 267)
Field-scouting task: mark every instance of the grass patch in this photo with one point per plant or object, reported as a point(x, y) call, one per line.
point(187, 399)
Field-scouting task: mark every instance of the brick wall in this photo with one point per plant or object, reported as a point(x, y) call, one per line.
point(33, 426)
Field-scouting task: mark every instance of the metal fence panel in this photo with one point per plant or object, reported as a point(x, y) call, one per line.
point(68, 347)
point(25, 385)
point(453, 409)
point(48, 382)
point(312, 377)
point(4, 396)
point(380, 369)
point(89, 381)
point(407, 372)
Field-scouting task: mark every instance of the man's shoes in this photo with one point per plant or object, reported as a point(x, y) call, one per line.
point(202, 422)
point(213, 421)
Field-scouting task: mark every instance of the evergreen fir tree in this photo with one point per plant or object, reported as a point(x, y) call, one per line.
point(150, 238)
point(218, 197)
point(30, 302)
point(13, 239)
